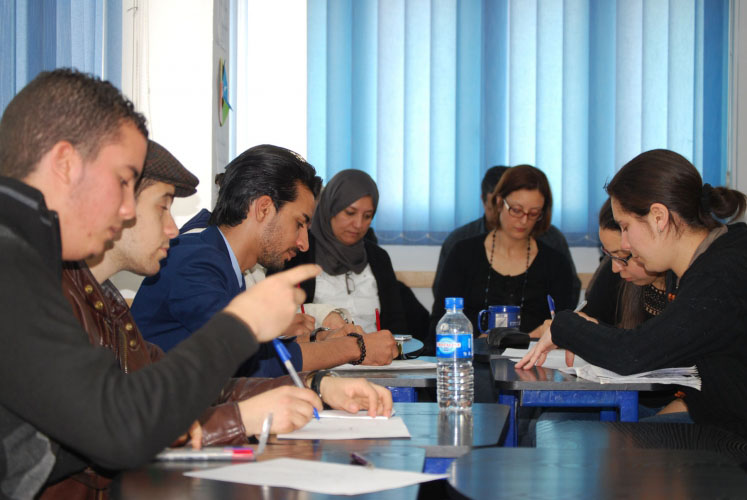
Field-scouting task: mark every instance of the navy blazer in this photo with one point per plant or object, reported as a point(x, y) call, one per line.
point(196, 281)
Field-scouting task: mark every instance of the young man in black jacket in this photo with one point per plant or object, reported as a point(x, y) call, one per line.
point(71, 149)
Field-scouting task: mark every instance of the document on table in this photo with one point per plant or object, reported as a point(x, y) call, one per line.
point(316, 477)
point(555, 358)
point(687, 376)
point(343, 425)
point(583, 369)
point(397, 364)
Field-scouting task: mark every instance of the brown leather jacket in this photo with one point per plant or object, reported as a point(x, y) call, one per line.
point(106, 317)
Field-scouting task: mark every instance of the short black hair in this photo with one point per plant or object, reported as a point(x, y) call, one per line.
point(62, 105)
point(490, 180)
point(262, 170)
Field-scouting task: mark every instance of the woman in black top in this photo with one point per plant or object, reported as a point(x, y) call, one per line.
point(667, 220)
point(622, 292)
point(508, 266)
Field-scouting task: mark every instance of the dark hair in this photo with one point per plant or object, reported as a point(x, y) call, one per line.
point(663, 176)
point(259, 171)
point(606, 219)
point(523, 177)
point(61, 105)
point(490, 179)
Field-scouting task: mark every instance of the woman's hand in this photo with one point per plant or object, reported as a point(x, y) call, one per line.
point(353, 394)
point(587, 317)
point(333, 321)
point(538, 354)
point(537, 332)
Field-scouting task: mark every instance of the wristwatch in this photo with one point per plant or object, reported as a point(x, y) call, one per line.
point(316, 381)
point(342, 314)
point(312, 336)
point(361, 346)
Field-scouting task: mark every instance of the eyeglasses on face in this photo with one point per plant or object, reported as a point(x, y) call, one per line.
point(621, 260)
point(515, 211)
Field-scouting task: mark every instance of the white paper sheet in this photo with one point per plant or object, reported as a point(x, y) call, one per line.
point(585, 370)
point(397, 364)
point(555, 358)
point(344, 414)
point(317, 477)
point(350, 428)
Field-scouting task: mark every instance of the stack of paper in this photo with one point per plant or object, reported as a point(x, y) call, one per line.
point(687, 376)
point(582, 369)
point(397, 364)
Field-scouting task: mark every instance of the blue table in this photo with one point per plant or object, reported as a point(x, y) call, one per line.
point(546, 387)
point(402, 383)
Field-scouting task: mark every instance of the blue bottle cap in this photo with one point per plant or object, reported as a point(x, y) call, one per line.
point(454, 302)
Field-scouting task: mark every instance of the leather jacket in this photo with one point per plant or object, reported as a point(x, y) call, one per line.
point(105, 316)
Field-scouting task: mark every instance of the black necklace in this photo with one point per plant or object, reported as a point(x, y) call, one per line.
point(654, 300)
point(490, 268)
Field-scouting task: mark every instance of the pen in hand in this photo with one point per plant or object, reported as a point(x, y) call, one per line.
point(285, 358)
point(551, 305)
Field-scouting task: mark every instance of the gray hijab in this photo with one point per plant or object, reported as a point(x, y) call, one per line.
point(346, 187)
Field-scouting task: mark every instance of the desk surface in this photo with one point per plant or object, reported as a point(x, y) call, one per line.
point(433, 434)
point(596, 473)
point(573, 434)
point(396, 378)
point(166, 481)
point(549, 379)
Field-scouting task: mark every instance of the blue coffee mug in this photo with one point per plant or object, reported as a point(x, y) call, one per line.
point(500, 316)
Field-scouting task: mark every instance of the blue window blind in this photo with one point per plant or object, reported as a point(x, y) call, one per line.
point(39, 35)
point(425, 95)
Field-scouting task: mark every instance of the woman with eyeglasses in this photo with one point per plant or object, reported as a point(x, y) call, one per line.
point(622, 292)
point(508, 265)
point(670, 221)
point(357, 274)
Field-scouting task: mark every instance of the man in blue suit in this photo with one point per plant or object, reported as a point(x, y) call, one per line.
point(264, 208)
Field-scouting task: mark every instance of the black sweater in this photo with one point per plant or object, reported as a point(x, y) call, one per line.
point(74, 394)
point(392, 311)
point(465, 274)
point(706, 325)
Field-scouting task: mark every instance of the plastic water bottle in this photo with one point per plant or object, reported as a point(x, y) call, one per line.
point(455, 382)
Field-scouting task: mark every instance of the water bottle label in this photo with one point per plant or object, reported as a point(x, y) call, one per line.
point(454, 346)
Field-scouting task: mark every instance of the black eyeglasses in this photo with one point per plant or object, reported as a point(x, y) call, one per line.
point(349, 283)
point(621, 260)
point(515, 211)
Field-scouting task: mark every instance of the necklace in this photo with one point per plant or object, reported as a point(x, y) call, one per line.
point(654, 300)
point(490, 268)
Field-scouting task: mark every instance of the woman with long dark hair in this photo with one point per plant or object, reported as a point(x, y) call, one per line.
point(670, 221)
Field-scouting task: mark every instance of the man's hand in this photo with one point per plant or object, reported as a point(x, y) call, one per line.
point(268, 307)
point(381, 348)
point(302, 324)
point(340, 332)
point(353, 394)
point(538, 354)
point(192, 437)
point(291, 409)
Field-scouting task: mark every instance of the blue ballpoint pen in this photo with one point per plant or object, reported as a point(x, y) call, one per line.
point(286, 359)
point(551, 305)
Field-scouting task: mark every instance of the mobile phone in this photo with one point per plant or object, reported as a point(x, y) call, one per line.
point(402, 338)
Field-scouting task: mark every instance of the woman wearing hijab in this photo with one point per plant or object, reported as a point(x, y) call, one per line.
point(357, 274)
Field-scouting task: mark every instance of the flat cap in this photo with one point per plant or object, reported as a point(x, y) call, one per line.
point(162, 166)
